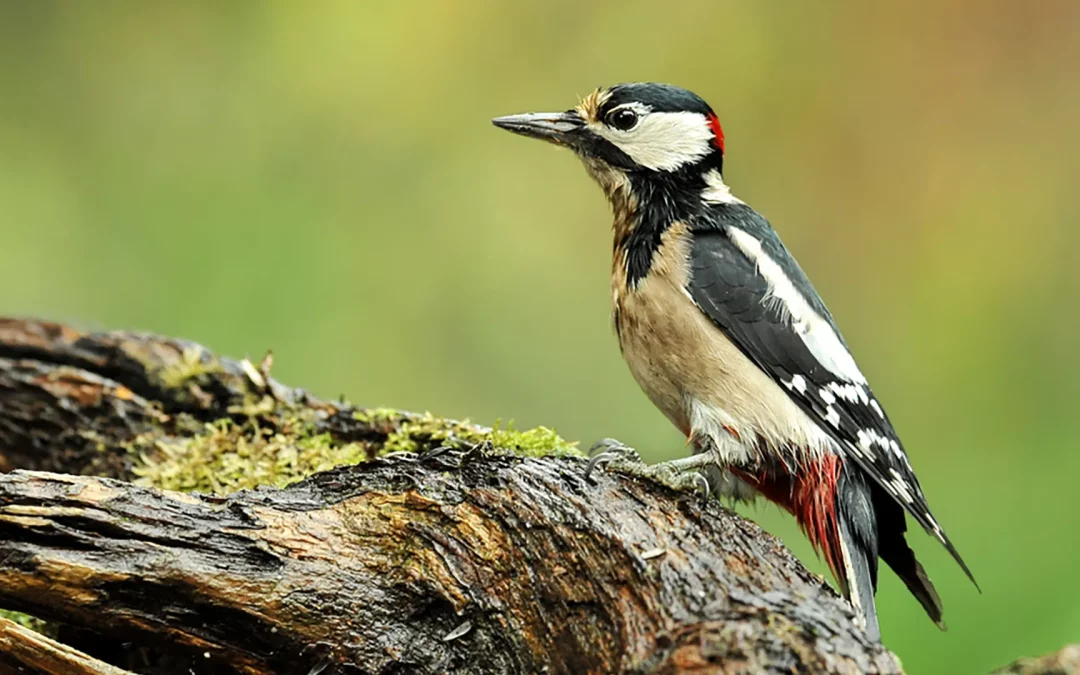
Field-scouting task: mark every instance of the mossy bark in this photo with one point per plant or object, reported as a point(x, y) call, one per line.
point(436, 546)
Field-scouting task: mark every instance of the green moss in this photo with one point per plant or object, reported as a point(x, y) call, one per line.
point(536, 442)
point(409, 432)
point(193, 363)
point(229, 455)
point(27, 621)
point(379, 415)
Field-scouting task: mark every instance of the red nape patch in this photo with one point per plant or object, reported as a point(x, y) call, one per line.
point(810, 496)
point(718, 133)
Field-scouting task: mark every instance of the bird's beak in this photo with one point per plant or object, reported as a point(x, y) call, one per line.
point(559, 128)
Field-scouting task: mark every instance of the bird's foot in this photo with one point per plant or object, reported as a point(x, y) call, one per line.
point(678, 474)
point(611, 451)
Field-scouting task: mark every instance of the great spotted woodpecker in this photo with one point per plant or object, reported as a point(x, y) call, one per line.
point(726, 335)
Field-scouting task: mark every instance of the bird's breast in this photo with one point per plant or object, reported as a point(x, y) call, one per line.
point(692, 371)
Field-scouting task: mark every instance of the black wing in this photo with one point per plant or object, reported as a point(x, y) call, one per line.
point(730, 289)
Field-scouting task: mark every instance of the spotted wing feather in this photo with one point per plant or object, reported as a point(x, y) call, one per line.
point(728, 287)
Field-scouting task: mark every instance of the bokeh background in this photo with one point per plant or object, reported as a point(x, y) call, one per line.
point(321, 179)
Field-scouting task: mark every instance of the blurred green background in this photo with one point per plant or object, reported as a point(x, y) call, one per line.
point(322, 179)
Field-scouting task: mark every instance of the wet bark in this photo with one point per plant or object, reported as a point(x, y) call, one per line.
point(455, 558)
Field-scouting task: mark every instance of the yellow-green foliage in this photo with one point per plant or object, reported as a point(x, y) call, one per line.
point(535, 442)
point(230, 456)
point(411, 432)
point(27, 621)
point(227, 455)
point(193, 363)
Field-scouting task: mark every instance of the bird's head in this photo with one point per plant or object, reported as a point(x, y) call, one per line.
point(633, 132)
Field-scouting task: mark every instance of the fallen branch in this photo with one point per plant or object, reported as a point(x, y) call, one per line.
point(25, 651)
point(477, 550)
point(454, 560)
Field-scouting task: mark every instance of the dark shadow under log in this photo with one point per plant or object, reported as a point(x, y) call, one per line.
point(25, 651)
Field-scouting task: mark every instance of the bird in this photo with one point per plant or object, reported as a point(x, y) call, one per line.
point(725, 334)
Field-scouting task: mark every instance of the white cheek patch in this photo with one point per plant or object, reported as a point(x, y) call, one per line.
point(812, 328)
point(662, 141)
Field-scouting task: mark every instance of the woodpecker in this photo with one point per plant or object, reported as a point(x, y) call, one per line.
point(728, 338)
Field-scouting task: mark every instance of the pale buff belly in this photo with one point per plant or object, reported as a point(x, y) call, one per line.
point(701, 380)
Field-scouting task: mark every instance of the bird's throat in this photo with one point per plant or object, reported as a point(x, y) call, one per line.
point(645, 207)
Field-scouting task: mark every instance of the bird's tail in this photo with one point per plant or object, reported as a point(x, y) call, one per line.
point(894, 550)
point(852, 522)
point(832, 503)
point(872, 525)
point(857, 540)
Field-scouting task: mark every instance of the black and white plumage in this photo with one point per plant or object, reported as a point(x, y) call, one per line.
point(727, 336)
point(745, 280)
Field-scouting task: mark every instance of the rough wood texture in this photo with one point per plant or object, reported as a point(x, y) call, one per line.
point(25, 651)
point(454, 559)
point(380, 565)
point(1066, 661)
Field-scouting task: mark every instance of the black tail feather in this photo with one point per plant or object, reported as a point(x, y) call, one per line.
point(896, 553)
point(872, 525)
point(859, 541)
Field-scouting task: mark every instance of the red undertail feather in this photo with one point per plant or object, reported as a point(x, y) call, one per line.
point(810, 496)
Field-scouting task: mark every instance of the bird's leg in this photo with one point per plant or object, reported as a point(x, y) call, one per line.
point(679, 474)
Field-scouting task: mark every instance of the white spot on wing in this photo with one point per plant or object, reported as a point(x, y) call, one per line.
point(877, 408)
point(848, 392)
point(900, 486)
point(832, 416)
point(934, 525)
point(827, 396)
point(798, 383)
point(815, 331)
point(855, 450)
point(662, 141)
point(865, 439)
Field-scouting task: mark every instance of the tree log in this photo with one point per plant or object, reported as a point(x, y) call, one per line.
point(463, 555)
point(25, 651)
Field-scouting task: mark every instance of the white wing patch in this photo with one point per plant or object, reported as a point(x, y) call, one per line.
point(797, 383)
point(877, 408)
point(852, 393)
point(662, 141)
point(811, 327)
point(900, 486)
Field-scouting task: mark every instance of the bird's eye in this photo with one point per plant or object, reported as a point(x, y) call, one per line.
point(623, 119)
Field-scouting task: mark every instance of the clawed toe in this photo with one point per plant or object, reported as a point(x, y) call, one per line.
point(609, 450)
point(678, 474)
point(676, 477)
point(701, 484)
point(614, 447)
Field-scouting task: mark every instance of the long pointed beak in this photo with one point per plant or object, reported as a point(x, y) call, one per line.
point(558, 128)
